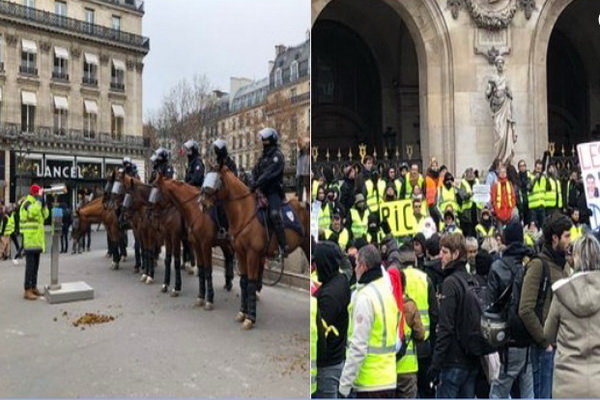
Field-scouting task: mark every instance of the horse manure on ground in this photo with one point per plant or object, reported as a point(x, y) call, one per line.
point(92, 319)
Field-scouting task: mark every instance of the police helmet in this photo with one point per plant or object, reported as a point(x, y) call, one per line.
point(153, 158)
point(220, 147)
point(162, 154)
point(126, 161)
point(191, 146)
point(269, 136)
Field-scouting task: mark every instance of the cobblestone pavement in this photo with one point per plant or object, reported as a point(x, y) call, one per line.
point(156, 346)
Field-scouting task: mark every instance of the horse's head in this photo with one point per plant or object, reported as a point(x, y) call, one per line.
point(211, 190)
point(221, 185)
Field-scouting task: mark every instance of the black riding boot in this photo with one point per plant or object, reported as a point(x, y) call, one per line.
point(244, 294)
point(151, 262)
point(280, 233)
point(252, 286)
point(202, 282)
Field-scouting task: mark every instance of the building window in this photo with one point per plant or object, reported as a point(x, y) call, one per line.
point(117, 77)
point(29, 3)
point(27, 118)
point(293, 93)
point(90, 16)
point(61, 63)
point(90, 119)
point(28, 57)
point(117, 121)
point(278, 77)
point(60, 122)
point(116, 22)
point(90, 69)
point(294, 71)
point(60, 8)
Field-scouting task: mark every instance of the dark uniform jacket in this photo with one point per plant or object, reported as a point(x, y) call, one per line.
point(268, 173)
point(194, 174)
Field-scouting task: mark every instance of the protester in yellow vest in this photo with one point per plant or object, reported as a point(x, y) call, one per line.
point(359, 215)
point(577, 229)
point(553, 199)
point(314, 336)
point(32, 214)
point(532, 235)
point(468, 208)
point(537, 194)
point(449, 225)
point(393, 181)
point(486, 228)
point(338, 233)
point(412, 179)
point(447, 195)
point(372, 332)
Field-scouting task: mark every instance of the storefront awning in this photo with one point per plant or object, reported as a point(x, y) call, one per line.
point(118, 110)
point(61, 103)
point(61, 52)
point(28, 98)
point(119, 64)
point(91, 58)
point(91, 107)
point(29, 46)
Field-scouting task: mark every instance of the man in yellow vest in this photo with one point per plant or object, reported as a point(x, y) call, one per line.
point(537, 194)
point(468, 209)
point(370, 367)
point(412, 179)
point(338, 233)
point(486, 228)
point(393, 181)
point(447, 195)
point(32, 214)
point(359, 216)
point(314, 337)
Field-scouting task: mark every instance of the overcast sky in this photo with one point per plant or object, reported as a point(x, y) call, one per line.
point(219, 38)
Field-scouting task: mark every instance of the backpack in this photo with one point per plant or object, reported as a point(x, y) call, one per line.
point(507, 305)
point(468, 326)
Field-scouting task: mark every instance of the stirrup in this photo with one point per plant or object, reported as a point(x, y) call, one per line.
point(222, 233)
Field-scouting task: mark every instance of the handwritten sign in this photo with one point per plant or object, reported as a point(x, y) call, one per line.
point(400, 217)
point(314, 219)
point(481, 193)
point(589, 162)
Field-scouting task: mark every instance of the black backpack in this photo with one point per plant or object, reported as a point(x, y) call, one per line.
point(509, 300)
point(468, 326)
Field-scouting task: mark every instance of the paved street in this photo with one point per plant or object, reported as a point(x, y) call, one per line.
point(156, 346)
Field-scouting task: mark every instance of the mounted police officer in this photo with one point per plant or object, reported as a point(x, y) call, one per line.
point(129, 168)
point(163, 164)
point(194, 173)
point(268, 177)
point(220, 148)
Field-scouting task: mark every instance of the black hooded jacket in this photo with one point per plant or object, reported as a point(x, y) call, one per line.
point(333, 298)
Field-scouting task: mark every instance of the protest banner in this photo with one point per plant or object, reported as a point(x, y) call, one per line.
point(481, 193)
point(314, 219)
point(399, 215)
point(589, 163)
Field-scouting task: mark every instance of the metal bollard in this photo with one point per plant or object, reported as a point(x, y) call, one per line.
point(57, 215)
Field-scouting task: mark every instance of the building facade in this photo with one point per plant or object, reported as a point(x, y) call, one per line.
point(71, 91)
point(410, 77)
point(280, 100)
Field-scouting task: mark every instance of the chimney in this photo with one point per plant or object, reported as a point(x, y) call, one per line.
point(279, 49)
point(271, 65)
point(236, 84)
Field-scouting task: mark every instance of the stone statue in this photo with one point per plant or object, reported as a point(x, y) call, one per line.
point(500, 98)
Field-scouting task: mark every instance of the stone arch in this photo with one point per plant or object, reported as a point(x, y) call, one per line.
point(427, 27)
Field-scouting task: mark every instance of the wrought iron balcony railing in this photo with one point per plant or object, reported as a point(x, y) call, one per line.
point(301, 97)
point(60, 75)
point(28, 70)
point(20, 13)
point(90, 81)
point(117, 86)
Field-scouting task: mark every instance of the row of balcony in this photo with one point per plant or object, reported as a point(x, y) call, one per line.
point(77, 136)
point(10, 10)
point(58, 75)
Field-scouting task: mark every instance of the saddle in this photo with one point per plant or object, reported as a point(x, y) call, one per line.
point(289, 217)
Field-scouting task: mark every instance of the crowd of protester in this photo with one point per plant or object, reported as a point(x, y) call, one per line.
point(486, 300)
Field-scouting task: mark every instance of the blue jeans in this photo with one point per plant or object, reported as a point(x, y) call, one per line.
point(328, 381)
point(542, 363)
point(457, 382)
point(538, 215)
point(516, 367)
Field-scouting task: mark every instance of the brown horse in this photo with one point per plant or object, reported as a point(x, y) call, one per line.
point(250, 240)
point(94, 212)
point(202, 234)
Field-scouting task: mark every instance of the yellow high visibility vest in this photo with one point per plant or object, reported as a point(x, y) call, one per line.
point(480, 229)
point(359, 225)
point(32, 216)
point(469, 189)
point(378, 370)
point(10, 225)
point(447, 197)
point(576, 232)
point(537, 195)
point(417, 289)
point(373, 195)
point(528, 239)
point(398, 187)
point(342, 239)
point(313, 344)
point(553, 197)
point(325, 216)
point(314, 190)
point(409, 186)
